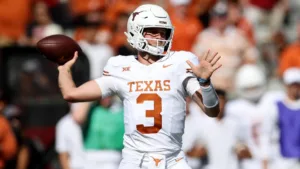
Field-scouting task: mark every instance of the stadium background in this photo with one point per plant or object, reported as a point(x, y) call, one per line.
point(28, 82)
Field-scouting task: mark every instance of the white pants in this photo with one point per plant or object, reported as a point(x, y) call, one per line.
point(102, 159)
point(285, 163)
point(136, 160)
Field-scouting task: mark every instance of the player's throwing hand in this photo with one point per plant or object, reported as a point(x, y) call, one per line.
point(70, 63)
point(207, 65)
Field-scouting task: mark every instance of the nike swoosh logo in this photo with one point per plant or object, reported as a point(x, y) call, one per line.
point(165, 66)
point(178, 159)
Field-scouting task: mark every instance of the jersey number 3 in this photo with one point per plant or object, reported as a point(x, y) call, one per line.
point(155, 113)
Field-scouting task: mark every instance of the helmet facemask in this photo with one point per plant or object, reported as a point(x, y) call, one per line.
point(252, 94)
point(156, 47)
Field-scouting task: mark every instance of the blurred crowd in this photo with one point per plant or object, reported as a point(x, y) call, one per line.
point(258, 83)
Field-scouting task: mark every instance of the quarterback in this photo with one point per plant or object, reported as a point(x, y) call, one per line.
point(153, 86)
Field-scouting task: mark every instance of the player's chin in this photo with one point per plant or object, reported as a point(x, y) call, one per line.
point(162, 44)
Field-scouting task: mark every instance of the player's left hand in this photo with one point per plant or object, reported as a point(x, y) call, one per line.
point(208, 64)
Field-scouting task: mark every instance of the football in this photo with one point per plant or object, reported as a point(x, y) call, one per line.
point(58, 48)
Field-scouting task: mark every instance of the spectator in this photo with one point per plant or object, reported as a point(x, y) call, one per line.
point(236, 18)
point(41, 27)
point(103, 130)
point(82, 7)
point(119, 40)
point(8, 144)
point(14, 15)
point(115, 8)
point(186, 26)
point(266, 16)
point(28, 152)
point(69, 143)
point(92, 18)
point(270, 54)
point(290, 55)
point(32, 82)
point(230, 43)
point(93, 47)
point(201, 8)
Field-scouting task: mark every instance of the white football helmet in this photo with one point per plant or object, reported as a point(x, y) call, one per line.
point(149, 16)
point(250, 82)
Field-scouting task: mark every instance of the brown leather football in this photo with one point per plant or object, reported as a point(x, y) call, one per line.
point(58, 48)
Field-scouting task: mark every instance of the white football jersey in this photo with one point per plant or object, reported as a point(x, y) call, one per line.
point(153, 97)
point(251, 117)
point(250, 114)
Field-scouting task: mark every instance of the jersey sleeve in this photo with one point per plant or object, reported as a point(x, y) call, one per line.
point(189, 81)
point(192, 86)
point(108, 83)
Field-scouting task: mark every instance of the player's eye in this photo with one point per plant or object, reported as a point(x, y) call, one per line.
point(163, 34)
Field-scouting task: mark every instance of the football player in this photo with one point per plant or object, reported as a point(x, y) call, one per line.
point(153, 86)
point(250, 85)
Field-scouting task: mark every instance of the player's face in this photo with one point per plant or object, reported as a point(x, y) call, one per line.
point(294, 91)
point(155, 36)
point(220, 21)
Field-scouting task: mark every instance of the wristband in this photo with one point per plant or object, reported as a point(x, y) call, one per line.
point(203, 81)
